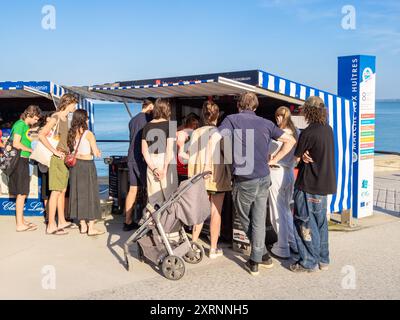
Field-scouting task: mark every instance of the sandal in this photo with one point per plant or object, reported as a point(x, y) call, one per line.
point(58, 232)
point(28, 229)
point(80, 229)
point(70, 226)
point(31, 225)
point(96, 233)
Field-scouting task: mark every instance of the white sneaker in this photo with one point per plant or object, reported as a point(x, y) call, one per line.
point(323, 267)
point(215, 253)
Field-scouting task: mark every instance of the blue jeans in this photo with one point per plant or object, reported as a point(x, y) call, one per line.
point(250, 200)
point(311, 229)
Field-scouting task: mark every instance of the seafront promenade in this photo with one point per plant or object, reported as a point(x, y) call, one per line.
point(387, 184)
point(364, 263)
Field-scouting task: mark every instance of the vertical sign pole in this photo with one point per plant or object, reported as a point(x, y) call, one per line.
point(356, 81)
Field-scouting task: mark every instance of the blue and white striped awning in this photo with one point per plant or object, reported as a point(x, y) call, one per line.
point(211, 87)
point(21, 89)
point(340, 119)
point(30, 89)
point(45, 89)
point(98, 96)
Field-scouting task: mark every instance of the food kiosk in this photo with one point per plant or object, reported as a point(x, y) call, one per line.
point(188, 93)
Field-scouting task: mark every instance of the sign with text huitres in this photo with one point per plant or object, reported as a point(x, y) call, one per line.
point(357, 81)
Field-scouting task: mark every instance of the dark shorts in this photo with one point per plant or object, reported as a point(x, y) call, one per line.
point(182, 178)
point(45, 191)
point(137, 175)
point(19, 180)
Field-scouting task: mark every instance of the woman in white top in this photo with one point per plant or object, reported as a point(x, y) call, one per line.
point(84, 200)
point(281, 190)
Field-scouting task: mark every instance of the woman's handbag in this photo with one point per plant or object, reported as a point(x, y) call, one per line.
point(70, 159)
point(41, 153)
point(10, 157)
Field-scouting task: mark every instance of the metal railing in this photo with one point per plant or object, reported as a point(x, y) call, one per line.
point(107, 154)
point(110, 141)
point(388, 152)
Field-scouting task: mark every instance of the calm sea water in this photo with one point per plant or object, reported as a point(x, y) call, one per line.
point(387, 126)
point(112, 124)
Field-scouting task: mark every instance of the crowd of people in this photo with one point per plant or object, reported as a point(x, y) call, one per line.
point(60, 139)
point(248, 156)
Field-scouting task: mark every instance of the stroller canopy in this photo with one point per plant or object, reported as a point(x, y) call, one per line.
point(190, 205)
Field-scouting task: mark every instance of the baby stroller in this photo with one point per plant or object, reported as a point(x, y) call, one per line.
point(162, 238)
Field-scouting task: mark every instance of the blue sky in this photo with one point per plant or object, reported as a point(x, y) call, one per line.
point(98, 41)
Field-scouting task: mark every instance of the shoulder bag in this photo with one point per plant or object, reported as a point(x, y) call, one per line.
point(70, 160)
point(41, 153)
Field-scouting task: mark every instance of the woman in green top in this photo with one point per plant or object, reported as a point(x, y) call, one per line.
point(19, 180)
point(58, 171)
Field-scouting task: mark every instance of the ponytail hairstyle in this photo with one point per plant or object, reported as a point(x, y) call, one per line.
point(287, 122)
point(79, 125)
point(66, 100)
point(210, 113)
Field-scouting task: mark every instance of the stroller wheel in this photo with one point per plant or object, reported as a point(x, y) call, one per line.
point(195, 255)
point(140, 254)
point(173, 268)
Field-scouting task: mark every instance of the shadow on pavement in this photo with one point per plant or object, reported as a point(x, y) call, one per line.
point(117, 238)
point(386, 211)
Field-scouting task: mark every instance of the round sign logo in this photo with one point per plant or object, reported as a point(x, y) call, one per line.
point(367, 74)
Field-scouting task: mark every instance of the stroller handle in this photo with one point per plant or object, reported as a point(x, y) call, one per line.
point(201, 176)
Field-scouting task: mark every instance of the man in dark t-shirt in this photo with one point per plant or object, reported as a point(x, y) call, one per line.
point(316, 179)
point(136, 163)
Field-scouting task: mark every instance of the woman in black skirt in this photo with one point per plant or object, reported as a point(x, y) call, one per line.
point(84, 201)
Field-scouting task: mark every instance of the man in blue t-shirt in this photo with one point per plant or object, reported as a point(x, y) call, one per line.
point(136, 164)
point(251, 136)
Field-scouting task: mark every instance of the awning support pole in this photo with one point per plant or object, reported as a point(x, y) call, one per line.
point(54, 101)
point(128, 110)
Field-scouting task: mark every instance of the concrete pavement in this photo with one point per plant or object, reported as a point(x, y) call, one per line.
point(387, 191)
point(365, 265)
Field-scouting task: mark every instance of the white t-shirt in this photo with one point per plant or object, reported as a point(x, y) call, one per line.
point(288, 160)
